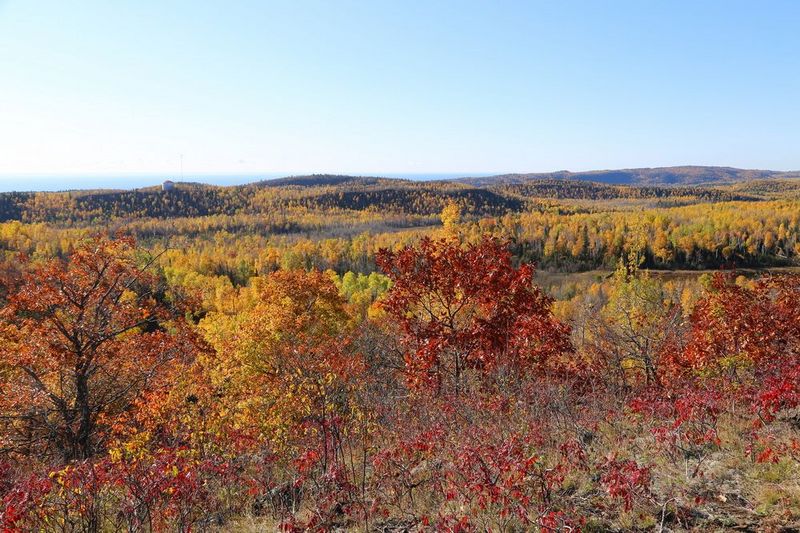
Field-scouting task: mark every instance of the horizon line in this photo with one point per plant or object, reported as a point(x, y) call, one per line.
point(466, 173)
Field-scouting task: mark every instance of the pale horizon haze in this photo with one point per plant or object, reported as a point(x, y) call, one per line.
point(248, 89)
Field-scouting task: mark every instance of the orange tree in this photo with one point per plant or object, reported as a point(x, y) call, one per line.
point(81, 340)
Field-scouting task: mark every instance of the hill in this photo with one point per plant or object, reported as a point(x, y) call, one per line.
point(331, 194)
point(683, 175)
point(325, 194)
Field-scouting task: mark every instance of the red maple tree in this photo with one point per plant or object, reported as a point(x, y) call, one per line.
point(467, 308)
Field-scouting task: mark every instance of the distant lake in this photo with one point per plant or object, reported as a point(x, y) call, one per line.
point(111, 181)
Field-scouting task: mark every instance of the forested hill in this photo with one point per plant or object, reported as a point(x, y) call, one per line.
point(685, 175)
point(332, 193)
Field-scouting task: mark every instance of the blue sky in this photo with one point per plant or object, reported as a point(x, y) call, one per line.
point(125, 88)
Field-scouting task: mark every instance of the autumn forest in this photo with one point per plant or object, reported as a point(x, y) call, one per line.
point(336, 353)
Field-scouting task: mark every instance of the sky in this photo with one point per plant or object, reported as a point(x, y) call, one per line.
point(110, 88)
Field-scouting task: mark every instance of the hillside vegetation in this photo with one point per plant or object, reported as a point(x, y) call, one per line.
point(334, 353)
point(686, 175)
point(494, 195)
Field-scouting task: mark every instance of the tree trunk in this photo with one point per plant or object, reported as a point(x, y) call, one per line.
point(83, 445)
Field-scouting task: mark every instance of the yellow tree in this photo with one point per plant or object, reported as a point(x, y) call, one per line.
point(283, 371)
point(450, 216)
